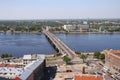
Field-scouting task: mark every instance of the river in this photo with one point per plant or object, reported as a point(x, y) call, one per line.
point(20, 44)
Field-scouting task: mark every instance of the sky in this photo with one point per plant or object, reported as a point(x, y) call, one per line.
point(58, 9)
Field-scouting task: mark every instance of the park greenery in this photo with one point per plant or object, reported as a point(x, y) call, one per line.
point(66, 59)
point(26, 25)
point(83, 56)
point(37, 25)
point(6, 55)
point(102, 56)
point(99, 55)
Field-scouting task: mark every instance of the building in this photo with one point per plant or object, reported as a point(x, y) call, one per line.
point(101, 28)
point(29, 58)
point(88, 77)
point(78, 27)
point(68, 27)
point(83, 27)
point(30, 67)
point(33, 71)
point(85, 22)
point(112, 60)
point(113, 28)
point(9, 71)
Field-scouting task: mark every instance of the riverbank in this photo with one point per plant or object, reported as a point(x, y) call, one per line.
point(19, 32)
point(63, 32)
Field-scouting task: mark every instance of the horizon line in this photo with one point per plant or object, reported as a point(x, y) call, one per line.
point(59, 19)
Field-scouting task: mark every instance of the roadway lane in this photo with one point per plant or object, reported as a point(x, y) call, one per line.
point(63, 48)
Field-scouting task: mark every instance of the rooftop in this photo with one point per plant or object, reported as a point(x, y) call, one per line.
point(10, 69)
point(88, 77)
point(10, 72)
point(27, 57)
point(34, 56)
point(28, 70)
point(115, 53)
point(7, 65)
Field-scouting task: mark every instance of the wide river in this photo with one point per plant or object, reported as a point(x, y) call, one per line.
point(19, 44)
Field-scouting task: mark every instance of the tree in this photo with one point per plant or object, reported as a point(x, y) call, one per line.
point(97, 54)
point(6, 55)
point(83, 56)
point(2, 56)
point(102, 56)
point(66, 59)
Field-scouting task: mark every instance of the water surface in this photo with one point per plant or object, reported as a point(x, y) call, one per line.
point(91, 42)
point(20, 44)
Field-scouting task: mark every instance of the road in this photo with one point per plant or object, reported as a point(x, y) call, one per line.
point(62, 47)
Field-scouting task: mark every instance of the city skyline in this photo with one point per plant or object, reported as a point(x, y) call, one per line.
point(62, 9)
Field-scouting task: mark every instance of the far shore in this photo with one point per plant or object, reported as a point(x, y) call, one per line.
point(19, 32)
point(63, 32)
point(55, 32)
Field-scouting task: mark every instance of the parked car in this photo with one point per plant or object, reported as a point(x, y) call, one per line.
point(68, 70)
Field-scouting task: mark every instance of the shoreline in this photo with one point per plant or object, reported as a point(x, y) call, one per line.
point(57, 32)
point(62, 32)
point(16, 32)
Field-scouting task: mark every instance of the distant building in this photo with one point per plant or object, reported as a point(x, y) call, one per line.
point(113, 28)
point(83, 28)
point(68, 27)
point(85, 22)
point(112, 60)
point(79, 27)
point(101, 28)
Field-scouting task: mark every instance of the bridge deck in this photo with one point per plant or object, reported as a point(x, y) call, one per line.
point(63, 48)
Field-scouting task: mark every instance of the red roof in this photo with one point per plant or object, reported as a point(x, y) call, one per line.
point(77, 77)
point(2, 65)
point(11, 65)
point(17, 78)
point(7, 65)
point(88, 77)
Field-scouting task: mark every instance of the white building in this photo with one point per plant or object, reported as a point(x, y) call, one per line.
point(67, 27)
point(29, 58)
point(79, 27)
point(85, 22)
